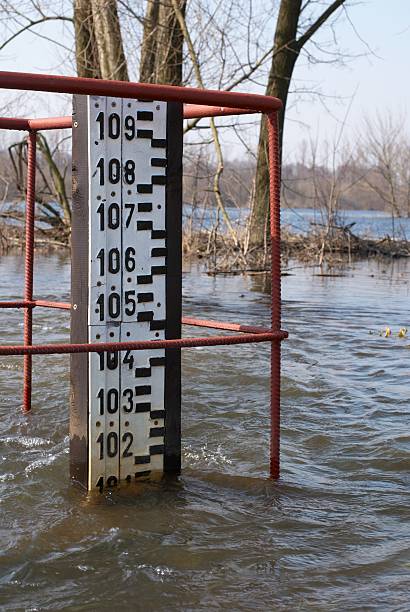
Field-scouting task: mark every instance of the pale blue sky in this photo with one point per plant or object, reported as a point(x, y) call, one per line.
point(378, 81)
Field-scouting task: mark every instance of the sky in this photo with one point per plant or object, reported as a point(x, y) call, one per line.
point(374, 79)
point(375, 82)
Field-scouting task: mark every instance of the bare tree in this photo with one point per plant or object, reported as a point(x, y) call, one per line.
point(385, 151)
point(52, 187)
point(215, 135)
point(99, 54)
point(288, 44)
point(148, 63)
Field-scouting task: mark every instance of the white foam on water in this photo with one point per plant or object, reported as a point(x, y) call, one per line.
point(39, 463)
point(61, 449)
point(10, 366)
point(85, 568)
point(159, 570)
point(214, 457)
point(26, 441)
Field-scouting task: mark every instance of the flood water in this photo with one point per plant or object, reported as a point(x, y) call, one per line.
point(332, 534)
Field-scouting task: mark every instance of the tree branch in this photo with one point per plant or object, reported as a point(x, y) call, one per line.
point(32, 24)
point(218, 148)
point(129, 10)
point(302, 40)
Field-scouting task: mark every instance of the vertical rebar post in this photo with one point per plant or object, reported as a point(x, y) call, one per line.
point(274, 206)
point(29, 261)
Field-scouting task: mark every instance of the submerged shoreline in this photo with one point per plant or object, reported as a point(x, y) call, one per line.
point(339, 247)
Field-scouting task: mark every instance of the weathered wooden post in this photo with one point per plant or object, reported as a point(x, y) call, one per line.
point(126, 285)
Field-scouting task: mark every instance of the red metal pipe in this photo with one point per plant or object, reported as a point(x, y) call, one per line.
point(71, 85)
point(274, 206)
point(251, 329)
point(191, 111)
point(28, 273)
point(34, 303)
point(56, 349)
point(47, 304)
point(20, 304)
point(197, 111)
point(12, 123)
point(51, 123)
point(48, 123)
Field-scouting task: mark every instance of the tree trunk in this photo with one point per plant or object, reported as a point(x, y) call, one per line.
point(162, 45)
point(99, 48)
point(287, 47)
point(149, 43)
point(86, 55)
point(109, 40)
point(285, 54)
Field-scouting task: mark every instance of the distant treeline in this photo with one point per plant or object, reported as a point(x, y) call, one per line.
point(355, 186)
point(351, 185)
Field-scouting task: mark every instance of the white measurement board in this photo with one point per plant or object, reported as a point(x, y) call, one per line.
point(127, 292)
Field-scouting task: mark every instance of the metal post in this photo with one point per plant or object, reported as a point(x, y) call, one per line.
point(28, 273)
point(274, 205)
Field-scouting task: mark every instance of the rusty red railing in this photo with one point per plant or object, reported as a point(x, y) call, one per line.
point(197, 104)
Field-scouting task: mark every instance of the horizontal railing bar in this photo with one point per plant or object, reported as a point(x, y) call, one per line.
point(191, 111)
point(56, 349)
point(251, 329)
point(51, 123)
point(197, 111)
point(48, 304)
point(27, 124)
point(14, 123)
point(34, 303)
point(169, 93)
point(16, 304)
point(209, 323)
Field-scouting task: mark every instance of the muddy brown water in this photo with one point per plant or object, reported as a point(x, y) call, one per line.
point(333, 534)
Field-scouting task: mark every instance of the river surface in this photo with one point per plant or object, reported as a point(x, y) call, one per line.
point(332, 534)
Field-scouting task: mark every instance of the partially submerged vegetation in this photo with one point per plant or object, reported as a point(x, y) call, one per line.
point(319, 247)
